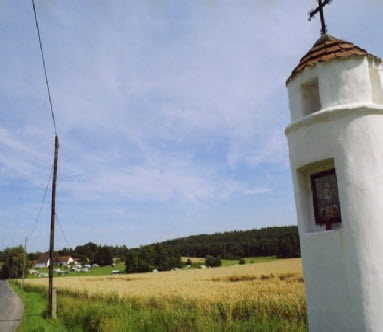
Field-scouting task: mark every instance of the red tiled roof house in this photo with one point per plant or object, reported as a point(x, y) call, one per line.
point(63, 260)
point(42, 261)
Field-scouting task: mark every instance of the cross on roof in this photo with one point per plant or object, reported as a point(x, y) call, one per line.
point(319, 9)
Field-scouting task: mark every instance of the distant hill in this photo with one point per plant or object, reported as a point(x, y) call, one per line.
point(279, 241)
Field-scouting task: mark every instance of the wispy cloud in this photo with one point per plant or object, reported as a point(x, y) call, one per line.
point(165, 111)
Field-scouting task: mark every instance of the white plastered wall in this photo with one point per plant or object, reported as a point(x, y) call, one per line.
point(343, 268)
point(341, 82)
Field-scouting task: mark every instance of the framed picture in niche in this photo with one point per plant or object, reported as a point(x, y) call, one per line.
point(326, 198)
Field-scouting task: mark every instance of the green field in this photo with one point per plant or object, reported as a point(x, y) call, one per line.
point(98, 271)
point(107, 270)
point(249, 260)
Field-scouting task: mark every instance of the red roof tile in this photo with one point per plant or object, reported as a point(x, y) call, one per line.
point(42, 259)
point(326, 48)
point(327, 57)
point(63, 259)
point(347, 46)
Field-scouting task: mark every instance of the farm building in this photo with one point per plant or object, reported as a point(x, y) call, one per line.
point(63, 260)
point(42, 261)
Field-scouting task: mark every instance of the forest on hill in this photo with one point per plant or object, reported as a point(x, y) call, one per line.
point(282, 242)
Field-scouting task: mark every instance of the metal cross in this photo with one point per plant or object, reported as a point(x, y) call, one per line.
point(319, 9)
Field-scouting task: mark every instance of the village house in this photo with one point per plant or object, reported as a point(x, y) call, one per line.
point(63, 260)
point(42, 261)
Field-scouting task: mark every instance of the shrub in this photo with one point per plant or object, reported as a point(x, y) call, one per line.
point(213, 261)
point(242, 261)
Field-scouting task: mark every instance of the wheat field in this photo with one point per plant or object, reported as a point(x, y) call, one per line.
point(253, 297)
point(279, 280)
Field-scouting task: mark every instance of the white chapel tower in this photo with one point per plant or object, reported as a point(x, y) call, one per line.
point(336, 153)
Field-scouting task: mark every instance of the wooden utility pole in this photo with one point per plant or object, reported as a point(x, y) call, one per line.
point(52, 240)
point(25, 258)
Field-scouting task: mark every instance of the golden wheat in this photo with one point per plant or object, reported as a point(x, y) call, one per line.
point(277, 281)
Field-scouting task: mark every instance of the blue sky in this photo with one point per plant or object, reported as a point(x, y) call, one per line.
point(171, 114)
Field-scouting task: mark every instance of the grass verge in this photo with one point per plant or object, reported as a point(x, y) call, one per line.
point(35, 305)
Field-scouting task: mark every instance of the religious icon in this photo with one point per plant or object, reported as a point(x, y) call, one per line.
point(326, 198)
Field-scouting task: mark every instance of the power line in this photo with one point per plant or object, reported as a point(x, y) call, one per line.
point(45, 69)
point(41, 206)
point(62, 232)
point(67, 243)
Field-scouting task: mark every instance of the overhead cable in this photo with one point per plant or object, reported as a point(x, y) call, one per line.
point(41, 206)
point(45, 69)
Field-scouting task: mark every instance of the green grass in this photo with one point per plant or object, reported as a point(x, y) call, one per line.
point(249, 260)
point(129, 315)
point(107, 270)
point(98, 271)
point(35, 305)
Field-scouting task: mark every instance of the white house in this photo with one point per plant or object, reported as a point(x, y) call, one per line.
point(42, 261)
point(63, 260)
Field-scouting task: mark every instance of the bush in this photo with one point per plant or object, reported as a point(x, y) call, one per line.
point(213, 261)
point(242, 261)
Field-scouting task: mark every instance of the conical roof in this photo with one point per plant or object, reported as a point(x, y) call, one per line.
point(327, 48)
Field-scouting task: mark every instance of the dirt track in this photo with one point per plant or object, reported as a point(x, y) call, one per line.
point(11, 308)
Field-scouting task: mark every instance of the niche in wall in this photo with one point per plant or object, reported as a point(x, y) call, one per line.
point(310, 97)
point(376, 86)
point(319, 208)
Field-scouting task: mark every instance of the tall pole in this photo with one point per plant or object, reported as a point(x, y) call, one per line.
point(25, 258)
point(52, 239)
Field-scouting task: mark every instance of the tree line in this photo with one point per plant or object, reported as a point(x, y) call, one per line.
point(89, 252)
point(282, 242)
